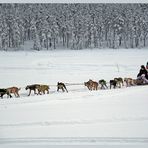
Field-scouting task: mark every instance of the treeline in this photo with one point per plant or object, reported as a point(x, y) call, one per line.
point(74, 26)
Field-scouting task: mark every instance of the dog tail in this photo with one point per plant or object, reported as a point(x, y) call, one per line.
point(19, 88)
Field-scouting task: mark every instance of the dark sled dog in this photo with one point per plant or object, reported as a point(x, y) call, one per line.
point(119, 82)
point(33, 87)
point(61, 86)
point(103, 84)
point(113, 83)
point(3, 92)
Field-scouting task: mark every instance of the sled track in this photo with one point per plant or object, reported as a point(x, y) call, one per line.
point(76, 140)
point(75, 122)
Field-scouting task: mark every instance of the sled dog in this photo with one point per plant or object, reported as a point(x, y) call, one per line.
point(61, 86)
point(32, 87)
point(42, 89)
point(113, 83)
point(3, 92)
point(91, 85)
point(119, 82)
point(14, 90)
point(129, 82)
point(102, 82)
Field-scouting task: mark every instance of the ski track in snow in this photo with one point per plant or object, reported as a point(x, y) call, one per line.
point(75, 122)
point(141, 141)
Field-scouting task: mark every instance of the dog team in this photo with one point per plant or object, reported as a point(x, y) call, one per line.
point(91, 85)
point(36, 88)
point(115, 83)
point(142, 78)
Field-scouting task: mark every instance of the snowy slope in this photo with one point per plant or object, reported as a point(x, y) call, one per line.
point(105, 116)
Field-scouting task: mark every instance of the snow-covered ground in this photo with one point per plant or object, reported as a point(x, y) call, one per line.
point(104, 117)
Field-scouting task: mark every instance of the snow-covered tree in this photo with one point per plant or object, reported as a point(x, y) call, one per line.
point(76, 26)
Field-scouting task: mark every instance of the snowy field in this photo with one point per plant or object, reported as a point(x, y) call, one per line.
point(116, 117)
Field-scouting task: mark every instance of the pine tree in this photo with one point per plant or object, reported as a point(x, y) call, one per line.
point(75, 26)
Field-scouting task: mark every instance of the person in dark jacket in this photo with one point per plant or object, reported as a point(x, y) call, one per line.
point(147, 66)
point(143, 74)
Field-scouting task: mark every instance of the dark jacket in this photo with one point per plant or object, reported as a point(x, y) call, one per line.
point(147, 66)
point(143, 71)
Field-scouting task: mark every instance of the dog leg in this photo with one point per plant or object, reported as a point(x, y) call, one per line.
point(29, 92)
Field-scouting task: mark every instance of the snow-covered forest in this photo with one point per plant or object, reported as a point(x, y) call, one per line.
point(73, 26)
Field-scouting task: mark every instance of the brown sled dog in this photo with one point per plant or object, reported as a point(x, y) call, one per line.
point(129, 82)
point(14, 90)
point(138, 81)
point(91, 85)
point(61, 86)
point(42, 89)
point(32, 87)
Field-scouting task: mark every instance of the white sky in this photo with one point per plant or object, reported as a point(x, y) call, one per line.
point(73, 1)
